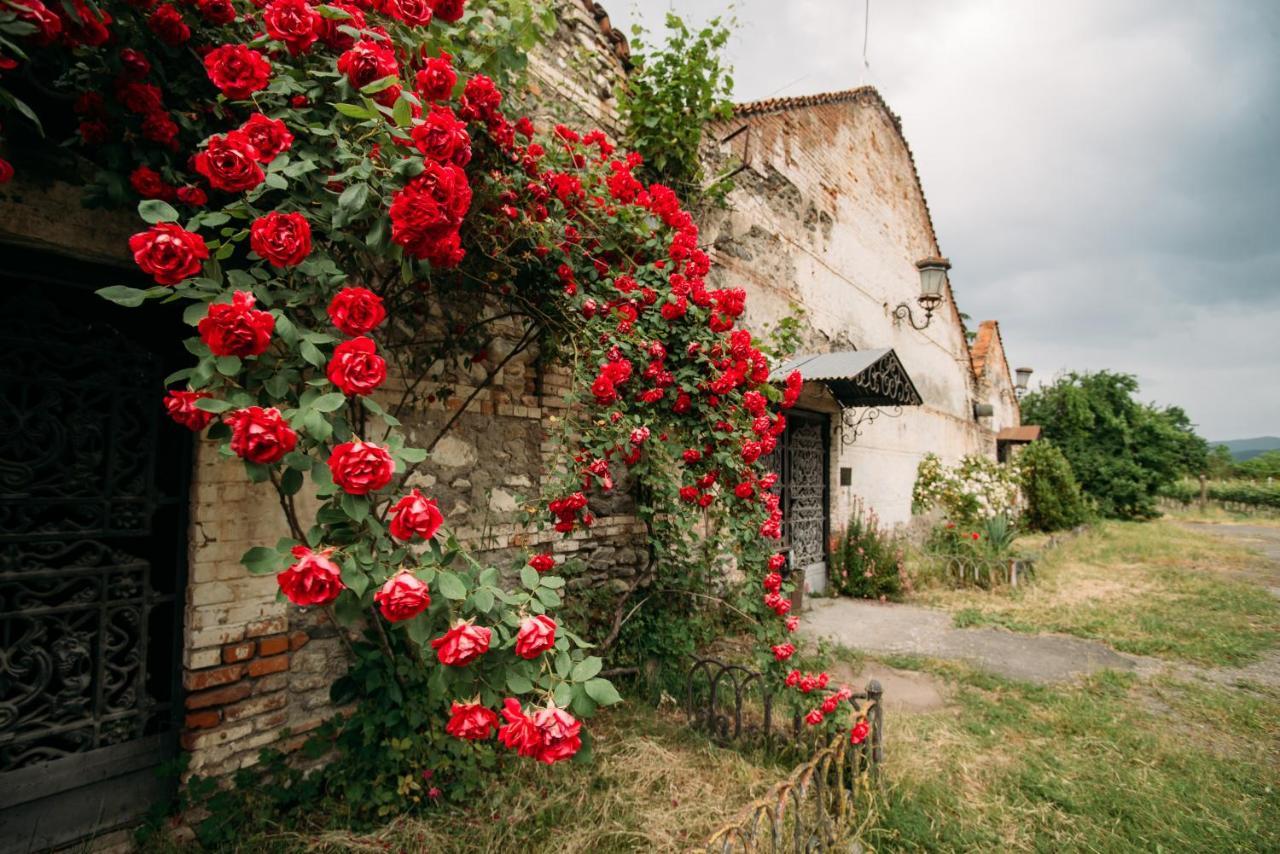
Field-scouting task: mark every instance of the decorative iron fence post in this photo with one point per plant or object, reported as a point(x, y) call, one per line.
point(875, 694)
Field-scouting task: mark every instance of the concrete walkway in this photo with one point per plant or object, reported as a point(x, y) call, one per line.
point(886, 629)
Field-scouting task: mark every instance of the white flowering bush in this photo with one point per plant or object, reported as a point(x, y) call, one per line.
point(974, 490)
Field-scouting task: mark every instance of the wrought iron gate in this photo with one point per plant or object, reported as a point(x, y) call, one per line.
point(802, 462)
point(92, 560)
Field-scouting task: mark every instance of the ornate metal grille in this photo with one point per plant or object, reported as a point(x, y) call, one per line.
point(86, 632)
point(803, 482)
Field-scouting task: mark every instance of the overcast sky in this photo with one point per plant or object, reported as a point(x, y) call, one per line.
point(1104, 174)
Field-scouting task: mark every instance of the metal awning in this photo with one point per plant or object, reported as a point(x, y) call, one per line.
point(857, 377)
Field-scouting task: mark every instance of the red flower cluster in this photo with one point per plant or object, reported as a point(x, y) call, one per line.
point(237, 328)
point(181, 406)
point(313, 580)
point(471, 721)
point(549, 735)
point(462, 644)
point(567, 510)
point(426, 214)
point(260, 435)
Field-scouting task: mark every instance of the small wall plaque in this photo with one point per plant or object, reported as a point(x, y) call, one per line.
point(846, 476)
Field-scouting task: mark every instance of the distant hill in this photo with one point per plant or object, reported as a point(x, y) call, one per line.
point(1247, 449)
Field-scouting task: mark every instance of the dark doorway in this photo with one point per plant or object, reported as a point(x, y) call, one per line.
point(93, 527)
point(802, 462)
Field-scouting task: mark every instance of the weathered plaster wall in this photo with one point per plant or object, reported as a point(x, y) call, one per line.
point(827, 222)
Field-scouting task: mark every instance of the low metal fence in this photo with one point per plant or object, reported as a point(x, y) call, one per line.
point(829, 796)
point(982, 570)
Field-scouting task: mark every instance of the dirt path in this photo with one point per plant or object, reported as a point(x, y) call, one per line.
point(908, 629)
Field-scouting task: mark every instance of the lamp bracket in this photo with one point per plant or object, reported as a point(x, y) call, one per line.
point(853, 420)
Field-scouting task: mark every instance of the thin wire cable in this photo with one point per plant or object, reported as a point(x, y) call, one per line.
point(866, 37)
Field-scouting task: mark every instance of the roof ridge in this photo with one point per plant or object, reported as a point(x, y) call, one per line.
point(774, 105)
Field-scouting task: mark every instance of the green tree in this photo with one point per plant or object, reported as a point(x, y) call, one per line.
point(1220, 463)
point(1260, 467)
point(1121, 450)
point(1054, 501)
point(675, 90)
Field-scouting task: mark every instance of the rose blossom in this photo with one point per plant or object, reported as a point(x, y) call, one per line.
point(230, 163)
point(443, 138)
point(181, 406)
point(269, 136)
point(414, 12)
point(560, 734)
point(237, 329)
point(519, 732)
point(238, 71)
point(283, 240)
point(782, 652)
point(543, 562)
point(166, 22)
point(448, 10)
point(403, 597)
point(368, 61)
point(356, 368)
point(168, 253)
point(536, 636)
point(292, 22)
point(313, 580)
point(471, 721)
point(359, 468)
point(260, 435)
point(356, 310)
point(415, 515)
point(858, 734)
point(217, 11)
point(462, 644)
point(437, 78)
point(814, 717)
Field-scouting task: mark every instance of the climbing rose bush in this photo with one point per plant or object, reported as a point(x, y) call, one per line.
point(974, 490)
point(319, 185)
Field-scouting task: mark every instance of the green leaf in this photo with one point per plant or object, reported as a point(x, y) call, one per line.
point(529, 577)
point(563, 695)
point(228, 366)
point(276, 181)
point(482, 600)
point(587, 668)
point(291, 481)
point(261, 560)
point(212, 404)
point(329, 402)
point(357, 582)
point(154, 210)
point(121, 295)
point(548, 597)
point(582, 705)
point(518, 684)
point(379, 85)
point(451, 586)
point(412, 455)
point(312, 354)
point(564, 665)
point(603, 692)
point(355, 506)
point(354, 197)
point(354, 111)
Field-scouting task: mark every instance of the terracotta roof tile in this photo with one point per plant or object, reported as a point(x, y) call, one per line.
point(1025, 433)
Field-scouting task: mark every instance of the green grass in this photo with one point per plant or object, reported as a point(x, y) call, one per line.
point(1146, 588)
point(1111, 764)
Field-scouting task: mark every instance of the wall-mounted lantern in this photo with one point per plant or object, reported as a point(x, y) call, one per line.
point(933, 280)
point(1024, 377)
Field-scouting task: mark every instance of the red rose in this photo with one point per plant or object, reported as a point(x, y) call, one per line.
point(413, 12)
point(443, 137)
point(193, 196)
point(292, 22)
point(356, 368)
point(536, 636)
point(87, 26)
point(777, 562)
point(403, 597)
point(772, 582)
point(268, 136)
point(230, 163)
point(217, 11)
point(166, 22)
point(159, 127)
point(814, 717)
point(328, 28)
point(148, 183)
point(462, 644)
point(368, 61)
point(356, 310)
point(481, 100)
point(858, 734)
point(437, 78)
point(168, 253)
point(560, 735)
point(448, 10)
point(519, 732)
point(237, 328)
point(181, 406)
point(238, 71)
point(415, 515)
point(48, 25)
point(135, 64)
point(313, 580)
point(283, 240)
point(782, 652)
point(260, 435)
point(543, 562)
point(140, 98)
point(361, 467)
point(427, 212)
point(94, 131)
point(471, 721)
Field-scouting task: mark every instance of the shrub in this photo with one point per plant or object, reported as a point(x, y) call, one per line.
point(1054, 501)
point(866, 561)
point(973, 490)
